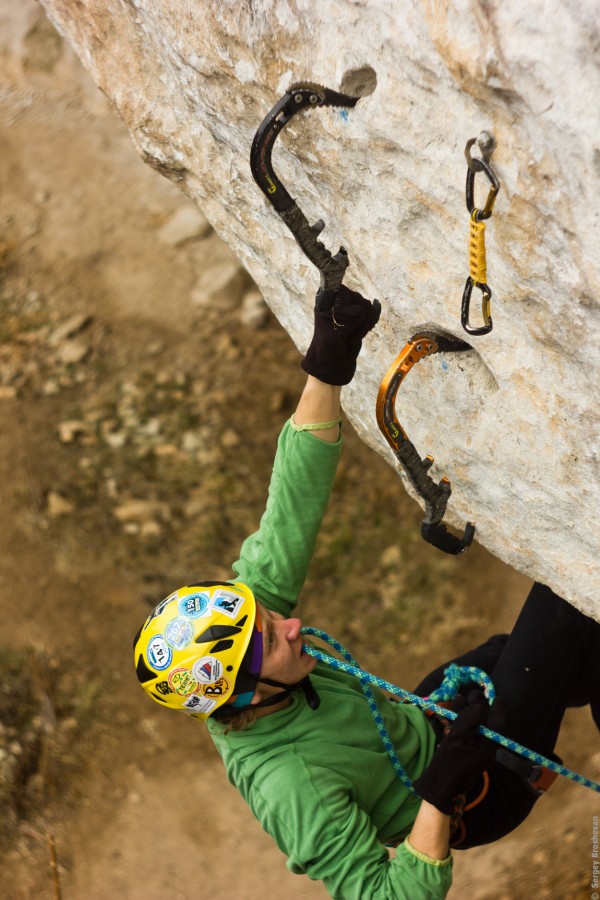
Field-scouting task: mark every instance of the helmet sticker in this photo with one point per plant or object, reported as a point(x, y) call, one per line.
point(163, 688)
point(228, 603)
point(198, 704)
point(159, 653)
point(158, 610)
point(182, 681)
point(219, 689)
point(207, 670)
point(179, 633)
point(194, 605)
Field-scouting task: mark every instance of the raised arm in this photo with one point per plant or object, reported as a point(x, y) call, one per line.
point(274, 560)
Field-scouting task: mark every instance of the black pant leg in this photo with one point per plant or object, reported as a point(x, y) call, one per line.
point(545, 661)
point(550, 661)
point(537, 669)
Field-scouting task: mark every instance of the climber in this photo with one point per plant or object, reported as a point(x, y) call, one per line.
point(298, 739)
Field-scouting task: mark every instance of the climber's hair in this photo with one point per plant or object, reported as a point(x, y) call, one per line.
point(237, 721)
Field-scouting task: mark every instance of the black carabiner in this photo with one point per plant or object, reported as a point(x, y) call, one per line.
point(465, 309)
point(475, 165)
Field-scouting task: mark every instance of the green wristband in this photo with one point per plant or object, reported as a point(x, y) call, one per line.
point(315, 426)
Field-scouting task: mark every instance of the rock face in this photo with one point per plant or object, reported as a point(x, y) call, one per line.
point(513, 422)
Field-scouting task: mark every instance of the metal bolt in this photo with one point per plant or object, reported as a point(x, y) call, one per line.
point(486, 144)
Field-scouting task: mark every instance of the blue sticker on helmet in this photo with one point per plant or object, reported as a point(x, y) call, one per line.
point(159, 653)
point(179, 633)
point(194, 605)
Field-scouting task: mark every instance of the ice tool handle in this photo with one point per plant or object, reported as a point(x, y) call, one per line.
point(300, 96)
point(435, 496)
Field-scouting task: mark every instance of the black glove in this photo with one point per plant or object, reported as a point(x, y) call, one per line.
point(338, 335)
point(463, 753)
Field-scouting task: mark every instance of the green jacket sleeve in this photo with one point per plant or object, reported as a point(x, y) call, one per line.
point(327, 836)
point(274, 560)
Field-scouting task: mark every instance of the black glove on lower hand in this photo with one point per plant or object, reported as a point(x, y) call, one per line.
point(338, 335)
point(463, 753)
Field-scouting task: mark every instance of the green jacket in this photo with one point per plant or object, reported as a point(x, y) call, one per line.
point(320, 781)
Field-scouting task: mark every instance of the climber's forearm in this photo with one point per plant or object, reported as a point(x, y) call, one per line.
point(430, 834)
point(319, 402)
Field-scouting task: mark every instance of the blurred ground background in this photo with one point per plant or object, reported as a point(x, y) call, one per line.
point(142, 385)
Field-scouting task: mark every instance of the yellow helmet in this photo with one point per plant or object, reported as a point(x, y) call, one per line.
point(201, 648)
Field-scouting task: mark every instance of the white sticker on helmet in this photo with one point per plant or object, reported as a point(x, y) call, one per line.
point(207, 670)
point(198, 704)
point(159, 653)
point(227, 602)
point(179, 632)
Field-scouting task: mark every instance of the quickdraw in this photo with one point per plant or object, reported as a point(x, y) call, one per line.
point(435, 496)
point(477, 261)
point(302, 95)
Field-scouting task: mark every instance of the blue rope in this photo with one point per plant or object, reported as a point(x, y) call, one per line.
point(369, 695)
point(454, 677)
